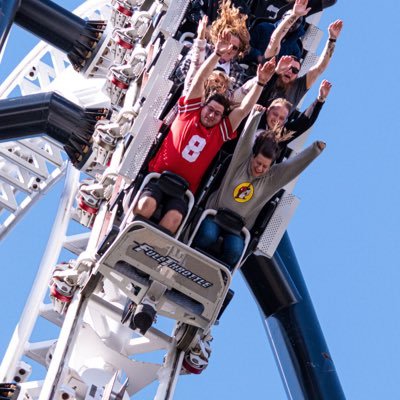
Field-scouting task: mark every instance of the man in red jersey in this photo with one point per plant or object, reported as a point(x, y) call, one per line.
point(196, 136)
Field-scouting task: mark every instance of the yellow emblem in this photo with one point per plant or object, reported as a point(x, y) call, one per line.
point(243, 192)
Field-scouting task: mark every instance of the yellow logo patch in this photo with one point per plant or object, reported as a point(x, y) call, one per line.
point(243, 192)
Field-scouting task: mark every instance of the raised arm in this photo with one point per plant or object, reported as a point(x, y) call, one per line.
point(324, 90)
point(299, 10)
point(222, 46)
point(286, 171)
point(197, 53)
point(314, 72)
point(264, 74)
point(308, 117)
point(240, 92)
point(246, 140)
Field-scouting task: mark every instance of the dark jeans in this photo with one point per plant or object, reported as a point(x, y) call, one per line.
point(207, 235)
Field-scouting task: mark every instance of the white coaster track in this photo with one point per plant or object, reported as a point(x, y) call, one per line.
point(82, 339)
point(92, 356)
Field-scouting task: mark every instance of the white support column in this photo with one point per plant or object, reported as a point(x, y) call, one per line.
point(31, 311)
point(169, 374)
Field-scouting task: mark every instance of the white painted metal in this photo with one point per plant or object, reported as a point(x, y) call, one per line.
point(171, 373)
point(22, 161)
point(147, 124)
point(31, 312)
point(91, 327)
point(277, 225)
point(93, 350)
point(198, 284)
point(311, 39)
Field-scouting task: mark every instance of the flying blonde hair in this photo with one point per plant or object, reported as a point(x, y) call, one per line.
point(210, 86)
point(281, 134)
point(231, 20)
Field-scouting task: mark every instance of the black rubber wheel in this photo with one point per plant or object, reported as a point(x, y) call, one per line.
point(91, 285)
point(187, 336)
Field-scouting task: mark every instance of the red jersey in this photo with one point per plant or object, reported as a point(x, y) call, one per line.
point(190, 147)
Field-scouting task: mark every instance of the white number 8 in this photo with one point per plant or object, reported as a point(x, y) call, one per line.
point(193, 149)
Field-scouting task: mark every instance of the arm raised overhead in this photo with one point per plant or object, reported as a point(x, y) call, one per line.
point(264, 74)
point(299, 10)
point(315, 71)
point(222, 46)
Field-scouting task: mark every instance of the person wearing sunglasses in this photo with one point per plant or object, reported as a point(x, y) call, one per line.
point(195, 137)
point(286, 82)
point(230, 21)
point(218, 81)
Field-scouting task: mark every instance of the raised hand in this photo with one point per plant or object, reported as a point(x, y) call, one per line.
point(202, 28)
point(335, 28)
point(265, 72)
point(284, 64)
point(324, 90)
point(259, 107)
point(223, 44)
point(300, 8)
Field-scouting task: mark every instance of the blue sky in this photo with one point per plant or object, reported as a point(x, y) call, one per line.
point(345, 231)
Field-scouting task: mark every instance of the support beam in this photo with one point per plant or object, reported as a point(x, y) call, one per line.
point(60, 28)
point(306, 366)
point(50, 113)
point(8, 9)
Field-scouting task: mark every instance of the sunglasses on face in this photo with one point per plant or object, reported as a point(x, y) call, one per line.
point(294, 70)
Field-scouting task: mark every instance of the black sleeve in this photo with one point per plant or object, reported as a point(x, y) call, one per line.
point(267, 93)
point(304, 120)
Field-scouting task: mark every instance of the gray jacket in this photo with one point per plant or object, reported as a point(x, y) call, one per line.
point(247, 195)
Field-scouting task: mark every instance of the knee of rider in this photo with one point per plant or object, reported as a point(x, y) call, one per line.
point(207, 233)
point(233, 245)
point(172, 219)
point(146, 207)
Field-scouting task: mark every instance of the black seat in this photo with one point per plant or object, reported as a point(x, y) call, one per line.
point(271, 10)
point(172, 185)
point(229, 221)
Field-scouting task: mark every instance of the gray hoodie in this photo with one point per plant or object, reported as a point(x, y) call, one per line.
point(246, 195)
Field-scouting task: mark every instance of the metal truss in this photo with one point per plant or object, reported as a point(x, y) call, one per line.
point(31, 167)
point(92, 354)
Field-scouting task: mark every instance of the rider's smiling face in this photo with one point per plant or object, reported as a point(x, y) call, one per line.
point(211, 114)
point(259, 165)
point(277, 116)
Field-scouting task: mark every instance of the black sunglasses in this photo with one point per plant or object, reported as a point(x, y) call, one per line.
point(294, 70)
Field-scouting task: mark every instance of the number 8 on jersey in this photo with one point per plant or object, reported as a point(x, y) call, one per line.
point(193, 149)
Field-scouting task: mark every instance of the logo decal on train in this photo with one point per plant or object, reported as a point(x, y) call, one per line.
point(166, 261)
